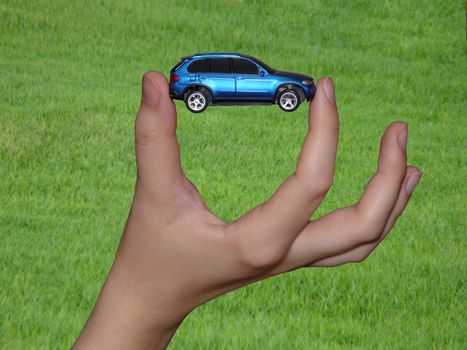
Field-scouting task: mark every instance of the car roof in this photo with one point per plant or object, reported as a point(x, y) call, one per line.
point(212, 54)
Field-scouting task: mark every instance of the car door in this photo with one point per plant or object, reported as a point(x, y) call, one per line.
point(249, 83)
point(219, 78)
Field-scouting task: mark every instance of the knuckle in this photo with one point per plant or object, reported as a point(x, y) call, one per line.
point(369, 227)
point(321, 186)
point(143, 132)
point(334, 125)
point(254, 256)
point(370, 231)
point(260, 259)
point(316, 187)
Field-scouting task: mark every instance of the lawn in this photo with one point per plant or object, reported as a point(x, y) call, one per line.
point(69, 90)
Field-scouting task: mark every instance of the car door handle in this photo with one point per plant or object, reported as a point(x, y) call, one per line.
point(239, 78)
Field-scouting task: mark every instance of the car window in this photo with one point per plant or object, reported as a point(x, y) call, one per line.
point(177, 66)
point(199, 66)
point(242, 66)
point(262, 64)
point(220, 65)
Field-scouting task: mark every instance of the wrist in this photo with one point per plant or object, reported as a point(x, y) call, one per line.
point(125, 317)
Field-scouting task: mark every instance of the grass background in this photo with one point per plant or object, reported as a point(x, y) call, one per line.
point(69, 89)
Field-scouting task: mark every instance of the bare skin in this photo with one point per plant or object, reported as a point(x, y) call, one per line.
point(175, 254)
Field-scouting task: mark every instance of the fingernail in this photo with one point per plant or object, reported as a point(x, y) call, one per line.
point(402, 137)
point(412, 182)
point(150, 92)
point(329, 90)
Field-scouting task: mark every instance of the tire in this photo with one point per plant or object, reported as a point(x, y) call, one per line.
point(288, 100)
point(197, 100)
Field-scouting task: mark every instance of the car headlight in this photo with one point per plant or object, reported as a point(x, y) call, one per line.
point(307, 82)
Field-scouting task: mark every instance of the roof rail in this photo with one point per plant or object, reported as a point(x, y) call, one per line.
point(217, 53)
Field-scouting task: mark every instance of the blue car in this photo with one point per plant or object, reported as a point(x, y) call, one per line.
point(221, 78)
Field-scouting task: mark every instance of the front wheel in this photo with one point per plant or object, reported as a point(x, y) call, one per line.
point(288, 100)
point(196, 101)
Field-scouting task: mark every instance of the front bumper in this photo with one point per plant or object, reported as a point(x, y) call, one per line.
point(311, 91)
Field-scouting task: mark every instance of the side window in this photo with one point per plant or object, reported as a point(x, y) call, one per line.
point(199, 66)
point(220, 65)
point(242, 66)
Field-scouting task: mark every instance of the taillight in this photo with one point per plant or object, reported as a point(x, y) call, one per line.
point(174, 78)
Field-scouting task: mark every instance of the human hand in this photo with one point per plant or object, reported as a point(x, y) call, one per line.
point(175, 254)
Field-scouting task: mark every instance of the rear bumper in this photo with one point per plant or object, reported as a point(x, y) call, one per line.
point(173, 94)
point(176, 91)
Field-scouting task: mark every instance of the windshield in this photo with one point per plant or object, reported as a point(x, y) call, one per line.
point(262, 64)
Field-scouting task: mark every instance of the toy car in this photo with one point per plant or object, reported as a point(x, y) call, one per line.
point(224, 78)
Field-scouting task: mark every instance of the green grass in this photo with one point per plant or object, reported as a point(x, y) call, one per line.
point(69, 89)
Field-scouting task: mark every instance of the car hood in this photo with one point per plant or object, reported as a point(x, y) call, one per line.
point(291, 75)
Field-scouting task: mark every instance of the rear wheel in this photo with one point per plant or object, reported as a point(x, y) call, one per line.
point(196, 100)
point(288, 100)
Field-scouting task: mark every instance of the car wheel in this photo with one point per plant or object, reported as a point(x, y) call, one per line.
point(196, 100)
point(288, 100)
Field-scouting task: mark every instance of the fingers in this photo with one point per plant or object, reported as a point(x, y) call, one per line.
point(354, 255)
point(347, 228)
point(268, 230)
point(382, 191)
point(362, 252)
point(157, 150)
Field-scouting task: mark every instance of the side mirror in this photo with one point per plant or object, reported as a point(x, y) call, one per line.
point(261, 72)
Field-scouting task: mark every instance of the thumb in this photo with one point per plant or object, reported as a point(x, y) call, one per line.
point(157, 149)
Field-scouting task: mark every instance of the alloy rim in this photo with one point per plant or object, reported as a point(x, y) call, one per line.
point(197, 101)
point(288, 101)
